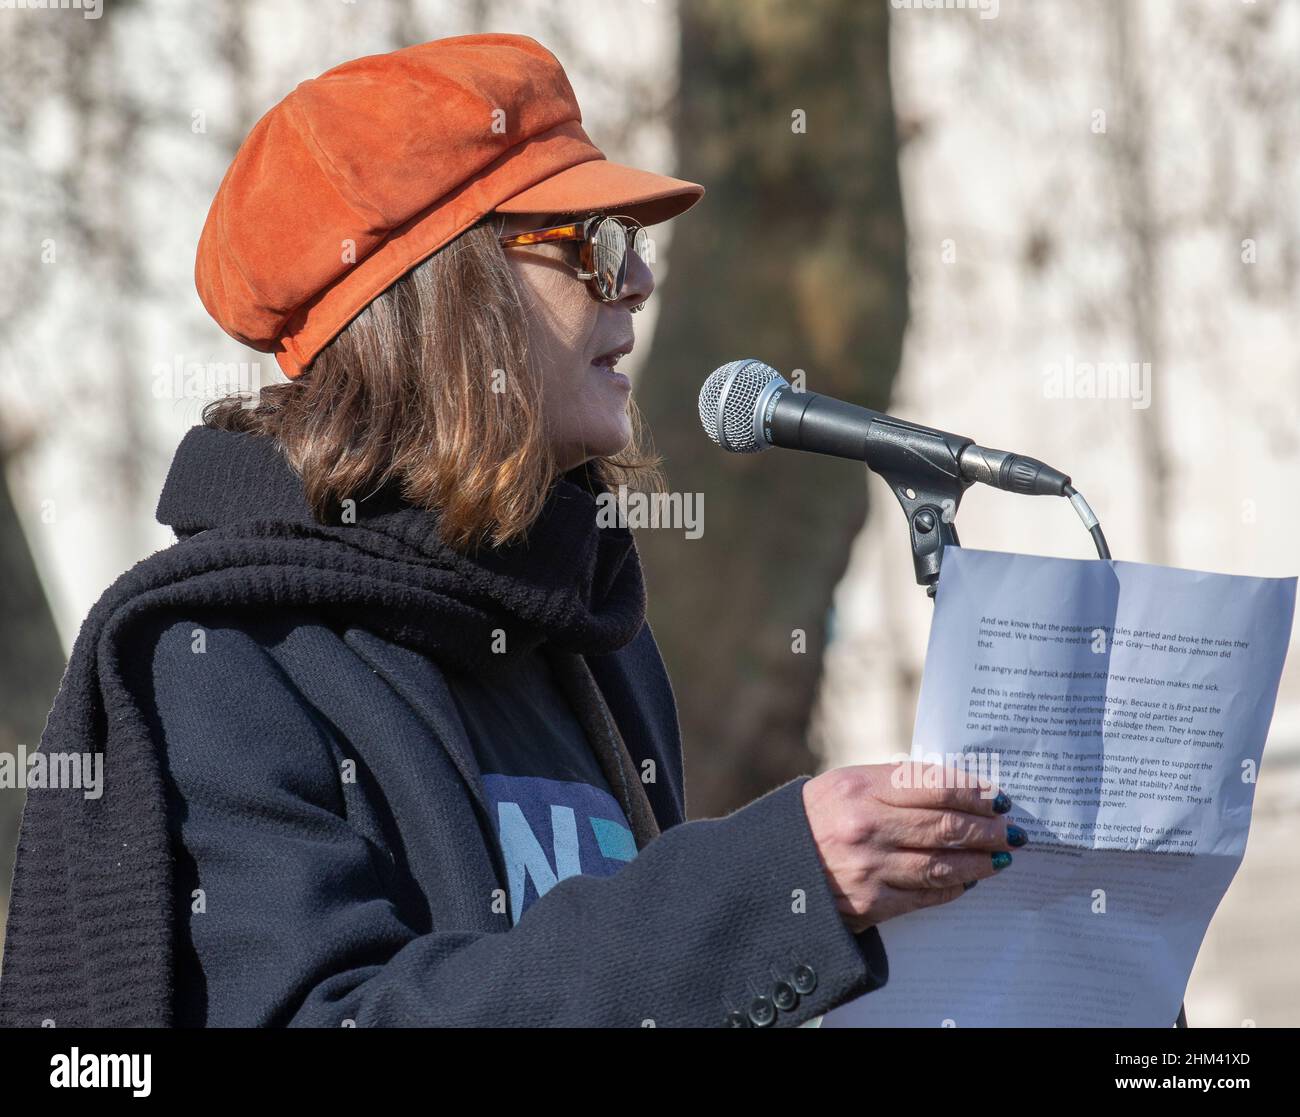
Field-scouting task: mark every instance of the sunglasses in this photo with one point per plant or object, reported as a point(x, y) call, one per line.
point(604, 243)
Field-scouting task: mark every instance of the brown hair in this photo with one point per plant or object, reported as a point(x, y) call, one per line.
point(421, 389)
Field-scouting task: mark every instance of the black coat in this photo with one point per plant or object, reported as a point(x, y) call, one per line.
point(376, 900)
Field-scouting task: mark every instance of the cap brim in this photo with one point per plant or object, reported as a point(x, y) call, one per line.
point(599, 184)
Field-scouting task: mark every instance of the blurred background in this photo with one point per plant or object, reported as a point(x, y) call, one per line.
point(923, 209)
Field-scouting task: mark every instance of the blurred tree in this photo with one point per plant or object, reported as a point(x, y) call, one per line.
point(31, 663)
point(79, 206)
point(31, 653)
point(796, 256)
point(1139, 212)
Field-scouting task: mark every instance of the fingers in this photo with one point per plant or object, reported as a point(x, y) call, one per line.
point(910, 879)
point(914, 869)
point(916, 784)
point(917, 828)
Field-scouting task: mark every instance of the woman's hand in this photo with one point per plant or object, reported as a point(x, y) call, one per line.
point(890, 844)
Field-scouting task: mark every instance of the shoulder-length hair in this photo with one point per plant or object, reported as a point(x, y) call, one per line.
point(431, 387)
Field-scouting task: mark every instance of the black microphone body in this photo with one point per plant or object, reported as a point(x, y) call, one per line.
point(820, 424)
point(746, 406)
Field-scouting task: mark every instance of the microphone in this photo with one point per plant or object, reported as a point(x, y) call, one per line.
point(747, 406)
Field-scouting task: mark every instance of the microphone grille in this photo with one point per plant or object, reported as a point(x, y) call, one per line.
point(728, 401)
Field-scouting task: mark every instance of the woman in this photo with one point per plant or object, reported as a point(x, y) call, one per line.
point(387, 739)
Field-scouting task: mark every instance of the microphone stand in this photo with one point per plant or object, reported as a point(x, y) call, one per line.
point(924, 473)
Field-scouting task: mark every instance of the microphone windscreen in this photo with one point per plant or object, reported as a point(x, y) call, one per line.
point(728, 401)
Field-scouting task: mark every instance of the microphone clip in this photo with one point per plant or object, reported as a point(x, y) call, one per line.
point(931, 510)
point(923, 470)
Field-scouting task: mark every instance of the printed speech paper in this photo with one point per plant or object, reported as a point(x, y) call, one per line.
point(1124, 709)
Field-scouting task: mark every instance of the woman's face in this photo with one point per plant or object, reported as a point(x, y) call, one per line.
point(575, 341)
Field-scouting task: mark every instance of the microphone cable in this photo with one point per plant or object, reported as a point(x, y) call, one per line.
point(1089, 518)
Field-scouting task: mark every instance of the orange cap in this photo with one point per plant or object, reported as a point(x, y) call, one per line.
point(360, 174)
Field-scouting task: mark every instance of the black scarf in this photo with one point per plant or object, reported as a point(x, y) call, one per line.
point(89, 938)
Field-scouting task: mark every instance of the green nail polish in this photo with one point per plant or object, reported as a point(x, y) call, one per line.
point(1001, 861)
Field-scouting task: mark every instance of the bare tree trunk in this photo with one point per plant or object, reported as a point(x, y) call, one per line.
point(31, 653)
point(406, 26)
point(31, 663)
point(234, 53)
point(1141, 228)
point(795, 256)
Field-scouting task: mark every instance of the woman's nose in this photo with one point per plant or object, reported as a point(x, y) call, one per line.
point(639, 282)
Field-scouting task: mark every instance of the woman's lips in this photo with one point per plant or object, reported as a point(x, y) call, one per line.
point(611, 356)
point(606, 365)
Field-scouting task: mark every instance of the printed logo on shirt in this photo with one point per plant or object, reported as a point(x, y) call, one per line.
point(553, 829)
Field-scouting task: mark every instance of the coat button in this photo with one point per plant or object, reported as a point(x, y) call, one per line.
point(762, 1012)
point(785, 996)
point(737, 1020)
point(804, 979)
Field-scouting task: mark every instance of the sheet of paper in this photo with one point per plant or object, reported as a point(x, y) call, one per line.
point(1124, 708)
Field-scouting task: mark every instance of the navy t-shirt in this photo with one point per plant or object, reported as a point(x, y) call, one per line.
point(551, 804)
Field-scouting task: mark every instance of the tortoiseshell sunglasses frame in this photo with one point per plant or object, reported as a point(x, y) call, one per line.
point(583, 231)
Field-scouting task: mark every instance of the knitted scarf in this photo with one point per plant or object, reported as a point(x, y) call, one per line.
point(89, 938)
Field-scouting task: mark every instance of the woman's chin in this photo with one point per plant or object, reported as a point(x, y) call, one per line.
point(608, 436)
